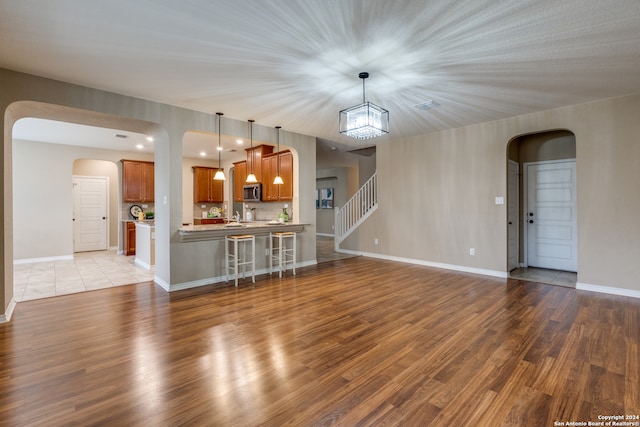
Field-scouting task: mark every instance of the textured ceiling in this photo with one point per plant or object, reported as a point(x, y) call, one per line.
point(295, 63)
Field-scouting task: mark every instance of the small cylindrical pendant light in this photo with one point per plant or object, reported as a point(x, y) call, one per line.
point(219, 176)
point(278, 179)
point(251, 178)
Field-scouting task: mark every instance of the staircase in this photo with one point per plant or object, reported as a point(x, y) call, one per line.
point(356, 210)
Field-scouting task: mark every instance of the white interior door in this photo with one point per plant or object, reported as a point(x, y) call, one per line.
point(551, 218)
point(90, 213)
point(513, 225)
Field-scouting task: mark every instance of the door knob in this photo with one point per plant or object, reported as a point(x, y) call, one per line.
point(510, 223)
point(530, 221)
point(530, 213)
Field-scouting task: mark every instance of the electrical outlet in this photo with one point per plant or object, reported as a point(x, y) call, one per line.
point(472, 251)
point(266, 251)
point(203, 206)
point(375, 241)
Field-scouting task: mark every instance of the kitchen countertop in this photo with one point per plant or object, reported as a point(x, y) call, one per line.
point(219, 231)
point(146, 223)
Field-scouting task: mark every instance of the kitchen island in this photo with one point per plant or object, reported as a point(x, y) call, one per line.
point(205, 245)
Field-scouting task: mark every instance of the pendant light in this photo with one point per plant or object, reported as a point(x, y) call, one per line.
point(278, 179)
point(251, 178)
point(219, 176)
point(366, 120)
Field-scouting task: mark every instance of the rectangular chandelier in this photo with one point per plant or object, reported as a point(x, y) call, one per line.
point(364, 121)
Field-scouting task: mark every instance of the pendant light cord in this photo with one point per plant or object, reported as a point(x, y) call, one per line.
point(364, 75)
point(278, 139)
point(251, 138)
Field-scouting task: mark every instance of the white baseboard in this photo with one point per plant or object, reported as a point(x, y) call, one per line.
point(164, 285)
point(6, 317)
point(44, 259)
point(608, 290)
point(217, 279)
point(461, 268)
point(325, 235)
point(142, 264)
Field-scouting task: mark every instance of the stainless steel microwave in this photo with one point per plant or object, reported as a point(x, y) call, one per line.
point(252, 192)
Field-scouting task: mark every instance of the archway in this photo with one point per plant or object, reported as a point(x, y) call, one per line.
point(25, 109)
point(541, 207)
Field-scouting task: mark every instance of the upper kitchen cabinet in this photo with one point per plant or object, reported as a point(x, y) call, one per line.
point(137, 181)
point(254, 160)
point(270, 191)
point(205, 188)
point(239, 177)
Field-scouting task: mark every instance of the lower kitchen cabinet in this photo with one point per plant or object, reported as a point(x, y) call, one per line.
point(204, 221)
point(129, 238)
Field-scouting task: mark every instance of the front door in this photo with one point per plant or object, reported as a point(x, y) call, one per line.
point(89, 213)
point(551, 219)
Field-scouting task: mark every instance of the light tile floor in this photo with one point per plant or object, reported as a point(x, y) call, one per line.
point(86, 272)
point(541, 275)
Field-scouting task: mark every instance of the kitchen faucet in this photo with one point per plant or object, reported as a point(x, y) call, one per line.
point(237, 216)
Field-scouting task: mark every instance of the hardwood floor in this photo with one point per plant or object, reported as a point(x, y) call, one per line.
point(350, 342)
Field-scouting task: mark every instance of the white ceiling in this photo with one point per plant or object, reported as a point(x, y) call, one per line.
point(295, 63)
point(194, 144)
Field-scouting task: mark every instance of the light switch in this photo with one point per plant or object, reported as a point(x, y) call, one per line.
point(499, 200)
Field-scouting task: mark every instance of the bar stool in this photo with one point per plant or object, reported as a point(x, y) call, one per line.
point(283, 253)
point(233, 261)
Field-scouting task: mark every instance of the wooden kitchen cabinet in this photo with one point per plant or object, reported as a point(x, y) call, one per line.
point(137, 181)
point(129, 237)
point(269, 170)
point(205, 188)
point(270, 191)
point(239, 177)
point(286, 172)
point(255, 155)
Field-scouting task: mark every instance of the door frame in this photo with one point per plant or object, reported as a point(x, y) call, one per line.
point(525, 203)
point(107, 229)
point(517, 214)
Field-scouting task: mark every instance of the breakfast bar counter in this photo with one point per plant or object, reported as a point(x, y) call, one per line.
point(191, 233)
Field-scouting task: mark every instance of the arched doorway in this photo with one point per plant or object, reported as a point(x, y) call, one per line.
point(541, 210)
point(47, 211)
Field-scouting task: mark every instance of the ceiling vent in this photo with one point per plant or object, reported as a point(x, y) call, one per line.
point(119, 135)
point(427, 105)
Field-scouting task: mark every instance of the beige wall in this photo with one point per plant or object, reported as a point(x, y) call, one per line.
point(342, 180)
point(42, 195)
point(437, 192)
point(23, 95)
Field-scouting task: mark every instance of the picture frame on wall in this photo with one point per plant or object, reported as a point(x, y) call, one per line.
point(326, 198)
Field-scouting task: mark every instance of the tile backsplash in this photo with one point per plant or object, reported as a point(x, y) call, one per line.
point(198, 209)
point(126, 209)
point(268, 211)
